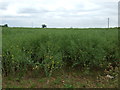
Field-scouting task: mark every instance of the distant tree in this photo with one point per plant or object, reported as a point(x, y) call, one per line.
point(44, 26)
point(6, 25)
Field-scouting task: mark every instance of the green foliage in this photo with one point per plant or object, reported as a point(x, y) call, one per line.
point(49, 50)
point(68, 86)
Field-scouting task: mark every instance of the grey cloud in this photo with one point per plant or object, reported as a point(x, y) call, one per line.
point(16, 17)
point(3, 5)
point(110, 5)
point(32, 10)
point(42, 10)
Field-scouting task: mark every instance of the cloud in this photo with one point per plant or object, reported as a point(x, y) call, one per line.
point(3, 5)
point(32, 10)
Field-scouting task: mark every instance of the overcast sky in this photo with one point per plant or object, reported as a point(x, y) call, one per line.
point(59, 13)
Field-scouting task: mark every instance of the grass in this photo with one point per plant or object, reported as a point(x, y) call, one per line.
point(42, 52)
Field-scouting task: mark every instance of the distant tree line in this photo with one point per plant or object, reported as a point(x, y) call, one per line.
point(5, 25)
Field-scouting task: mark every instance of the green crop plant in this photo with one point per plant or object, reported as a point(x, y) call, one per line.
point(30, 49)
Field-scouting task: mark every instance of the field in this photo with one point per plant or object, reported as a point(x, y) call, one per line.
point(60, 57)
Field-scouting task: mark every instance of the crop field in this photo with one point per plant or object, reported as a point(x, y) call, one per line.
point(50, 55)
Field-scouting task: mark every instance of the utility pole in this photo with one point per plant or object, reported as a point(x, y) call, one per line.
point(108, 22)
